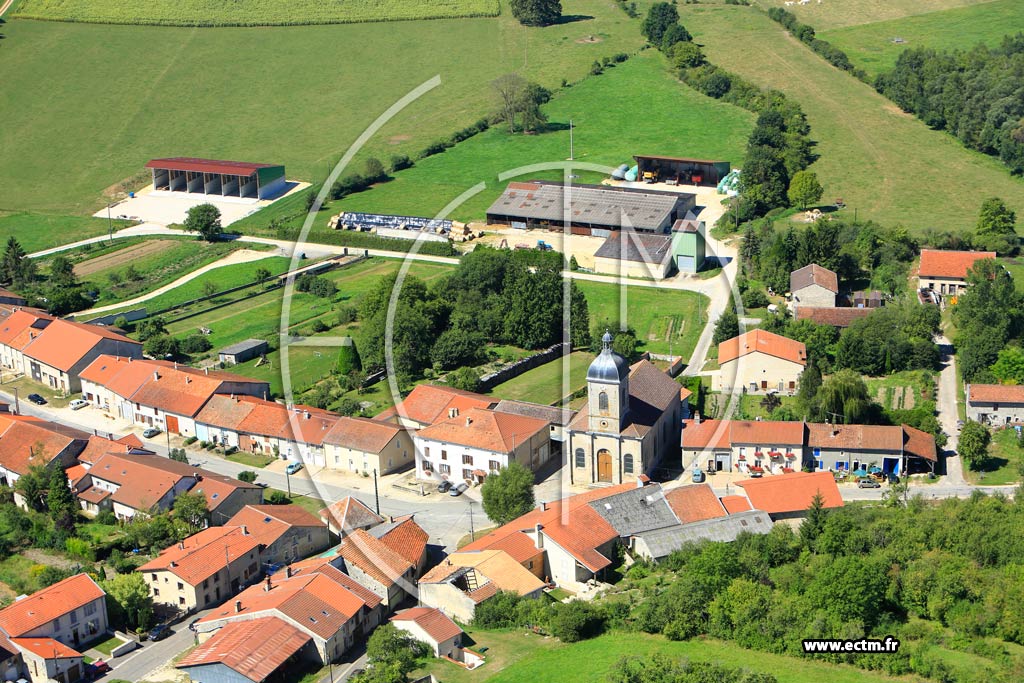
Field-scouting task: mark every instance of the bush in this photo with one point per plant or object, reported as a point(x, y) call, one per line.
point(755, 298)
point(319, 326)
point(248, 476)
point(195, 343)
point(577, 620)
point(106, 517)
point(191, 440)
point(277, 498)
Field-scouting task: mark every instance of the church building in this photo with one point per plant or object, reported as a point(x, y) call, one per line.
point(631, 422)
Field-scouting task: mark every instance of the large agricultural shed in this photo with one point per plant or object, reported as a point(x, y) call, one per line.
point(212, 176)
point(593, 209)
point(682, 170)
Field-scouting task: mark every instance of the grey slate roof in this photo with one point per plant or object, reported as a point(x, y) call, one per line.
point(595, 204)
point(243, 346)
point(636, 511)
point(639, 247)
point(813, 274)
point(661, 542)
point(552, 414)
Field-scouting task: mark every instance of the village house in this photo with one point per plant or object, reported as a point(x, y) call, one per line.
point(466, 578)
point(63, 349)
point(376, 565)
point(286, 533)
point(348, 514)
point(995, 404)
point(433, 628)
point(430, 403)
point(361, 445)
point(471, 445)
point(945, 272)
point(760, 362)
point(204, 569)
point(249, 652)
point(789, 495)
point(48, 629)
point(17, 331)
point(109, 382)
point(896, 450)
point(26, 442)
point(813, 287)
point(320, 602)
point(630, 424)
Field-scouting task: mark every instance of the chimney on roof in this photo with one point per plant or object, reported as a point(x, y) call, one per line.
point(469, 421)
point(156, 375)
point(206, 370)
point(238, 606)
point(453, 412)
point(175, 365)
point(288, 572)
point(173, 563)
point(245, 530)
point(268, 585)
point(543, 507)
point(696, 418)
point(181, 545)
point(188, 380)
point(639, 483)
point(308, 415)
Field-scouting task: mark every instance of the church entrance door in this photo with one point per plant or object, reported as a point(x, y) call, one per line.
point(604, 465)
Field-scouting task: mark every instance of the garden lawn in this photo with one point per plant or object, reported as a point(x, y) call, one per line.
point(108, 645)
point(665, 321)
point(514, 656)
point(1005, 456)
point(250, 459)
point(249, 12)
point(295, 95)
point(751, 407)
point(887, 165)
point(308, 503)
point(38, 231)
point(636, 107)
point(543, 384)
point(871, 46)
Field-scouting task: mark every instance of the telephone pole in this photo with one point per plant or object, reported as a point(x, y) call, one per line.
point(472, 532)
point(376, 493)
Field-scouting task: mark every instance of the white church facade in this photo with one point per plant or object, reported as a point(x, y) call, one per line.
point(631, 422)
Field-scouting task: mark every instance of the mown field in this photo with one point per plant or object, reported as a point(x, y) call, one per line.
point(250, 12)
point(636, 107)
point(830, 14)
point(544, 384)
point(887, 165)
point(120, 95)
point(37, 231)
point(514, 656)
point(871, 46)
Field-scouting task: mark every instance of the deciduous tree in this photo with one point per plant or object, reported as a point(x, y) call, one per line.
point(536, 12)
point(191, 510)
point(205, 220)
point(508, 494)
point(659, 18)
point(973, 444)
point(804, 189)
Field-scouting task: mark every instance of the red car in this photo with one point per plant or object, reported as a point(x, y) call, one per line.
point(98, 668)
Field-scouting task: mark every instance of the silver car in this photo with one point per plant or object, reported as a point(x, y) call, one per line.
point(78, 404)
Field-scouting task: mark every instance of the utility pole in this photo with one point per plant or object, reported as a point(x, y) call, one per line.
point(288, 482)
point(570, 141)
point(376, 493)
point(472, 532)
point(110, 225)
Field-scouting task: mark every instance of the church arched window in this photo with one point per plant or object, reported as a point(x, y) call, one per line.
point(627, 463)
point(602, 402)
point(581, 458)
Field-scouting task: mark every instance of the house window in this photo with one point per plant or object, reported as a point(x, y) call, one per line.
point(444, 455)
point(444, 469)
point(90, 609)
point(581, 458)
point(181, 600)
point(181, 586)
point(494, 465)
point(153, 576)
point(74, 616)
point(467, 459)
point(156, 591)
point(467, 474)
point(821, 464)
point(627, 463)
point(602, 402)
point(426, 451)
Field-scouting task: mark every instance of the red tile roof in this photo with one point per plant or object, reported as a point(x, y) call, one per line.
point(26, 615)
point(269, 522)
point(350, 513)
point(64, 343)
point(496, 570)
point(428, 403)
point(25, 442)
point(791, 492)
point(855, 437)
point(761, 341)
point(251, 415)
point(433, 621)
point(406, 538)
point(694, 503)
point(99, 446)
point(255, 649)
point(813, 274)
point(202, 555)
point(734, 504)
point(995, 393)
point(323, 566)
point(918, 443)
point(184, 391)
point(518, 545)
point(836, 317)
point(950, 264)
point(706, 434)
point(122, 376)
point(362, 434)
point(21, 327)
point(485, 429)
point(47, 648)
point(373, 557)
point(766, 432)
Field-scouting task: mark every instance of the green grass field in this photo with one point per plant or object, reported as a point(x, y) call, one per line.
point(249, 12)
point(514, 656)
point(886, 164)
point(871, 46)
point(1005, 455)
point(37, 231)
point(833, 13)
point(544, 384)
point(633, 108)
point(117, 96)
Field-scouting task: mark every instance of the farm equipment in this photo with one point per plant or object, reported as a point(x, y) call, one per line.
point(544, 246)
point(840, 203)
point(522, 245)
point(649, 177)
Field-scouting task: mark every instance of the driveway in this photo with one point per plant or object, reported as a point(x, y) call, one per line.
point(948, 414)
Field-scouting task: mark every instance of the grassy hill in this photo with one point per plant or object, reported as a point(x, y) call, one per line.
point(829, 14)
point(885, 163)
point(249, 12)
point(637, 107)
point(116, 96)
point(871, 46)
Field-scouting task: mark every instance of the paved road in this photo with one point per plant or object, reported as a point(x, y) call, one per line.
point(948, 414)
point(151, 656)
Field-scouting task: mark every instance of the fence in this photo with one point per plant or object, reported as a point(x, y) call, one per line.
point(489, 381)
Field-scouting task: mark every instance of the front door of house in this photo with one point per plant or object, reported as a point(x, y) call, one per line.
point(172, 424)
point(604, 465)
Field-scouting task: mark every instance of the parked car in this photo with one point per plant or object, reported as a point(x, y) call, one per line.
point(98, 668)
point(151, 432)
point(160, 631)
point(444, 486)
point(698, 476)
point(78, 404)
point(37, 399)
point(868, 484)
point(458, 490)
point(293, 467)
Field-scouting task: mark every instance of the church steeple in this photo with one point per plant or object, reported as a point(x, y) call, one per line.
point(608, 389)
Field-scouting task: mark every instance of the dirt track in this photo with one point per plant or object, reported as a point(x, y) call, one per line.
point(120, 257)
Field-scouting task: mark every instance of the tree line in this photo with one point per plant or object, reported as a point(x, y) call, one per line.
point(976, 95)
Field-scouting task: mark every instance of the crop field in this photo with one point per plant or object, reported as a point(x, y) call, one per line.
point(887, 165)
point(871, 46)
point(249, 12)
point(633, 108)
point(829, 14)
point(299, 95)
point(37, 231)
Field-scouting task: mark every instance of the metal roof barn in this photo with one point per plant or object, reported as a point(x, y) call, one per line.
point(241, 179)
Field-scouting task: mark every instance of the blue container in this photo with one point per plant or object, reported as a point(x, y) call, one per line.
point(131, 195)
